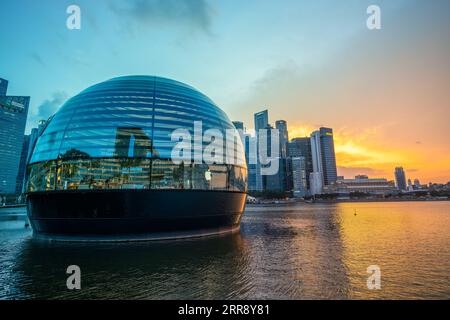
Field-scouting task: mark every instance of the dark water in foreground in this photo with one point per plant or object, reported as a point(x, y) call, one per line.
point(293, 251)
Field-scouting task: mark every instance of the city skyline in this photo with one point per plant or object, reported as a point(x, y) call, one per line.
point(261, 120)
point(240, 125)
point(383, 92)
point(295, 136)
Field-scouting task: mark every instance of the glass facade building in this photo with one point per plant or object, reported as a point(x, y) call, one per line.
point(328, 156)
point(299, 175)
point(117, 136)
point(250, 156)
point(23, 164)
point(301, 147)
point(261, 120)
point(281, 126)
point(13, 118)
point(277, 182)
point(400, 178)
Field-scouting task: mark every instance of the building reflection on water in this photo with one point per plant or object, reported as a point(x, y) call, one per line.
point(300, 250)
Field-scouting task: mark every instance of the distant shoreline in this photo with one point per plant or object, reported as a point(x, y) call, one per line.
point(378, 200)
point(322, 201)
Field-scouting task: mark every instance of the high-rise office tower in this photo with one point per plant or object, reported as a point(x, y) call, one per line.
point(261, 120)
point(289, 179)
point(277, 182)
point(323, 157)
point(261, 123)
point(299, 180)
point(316, 182)
point(3, 87)
point(316, 153)
point(34, 135)
point(253, 184)
point(328, 156)
point(246, 141)
point(250, 158)
point(284, 171)
point(281, 126)
point(301, 147)
point(316, 176)
point(263, 181)
point(23, 163)
point(13, 117)
point(400, 178)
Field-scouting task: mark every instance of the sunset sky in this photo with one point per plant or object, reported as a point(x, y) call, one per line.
point(385, 93)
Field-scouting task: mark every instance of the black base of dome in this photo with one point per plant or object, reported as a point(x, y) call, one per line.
point(133, 214)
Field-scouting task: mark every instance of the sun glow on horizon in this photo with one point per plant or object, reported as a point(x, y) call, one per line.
point(364, 153)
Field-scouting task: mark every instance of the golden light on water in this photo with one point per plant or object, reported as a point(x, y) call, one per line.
point(402, 239)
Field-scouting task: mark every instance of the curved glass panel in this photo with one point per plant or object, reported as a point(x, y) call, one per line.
point(133, 173)
point(118, 134)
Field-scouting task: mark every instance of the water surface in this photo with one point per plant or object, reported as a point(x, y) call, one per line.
point(283, 251)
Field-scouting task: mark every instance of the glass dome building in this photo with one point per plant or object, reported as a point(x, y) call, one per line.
point(104, 165)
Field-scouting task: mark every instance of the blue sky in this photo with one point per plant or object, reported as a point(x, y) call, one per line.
point(311, 62)
point(221, 47)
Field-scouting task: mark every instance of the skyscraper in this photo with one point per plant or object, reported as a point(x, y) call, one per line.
point(316, 176)
point(316, 153)
point(13, 117)
point(284, 168)
point(301, 147)
point(250, 154)
point(277, 182)
point(316, 182)
point(281, 126)
point(34, 135)
point(23, 163)
point(323, 158)
point(400, 178)
point(3, 87)
point(328, 156)
point(265, 182)
point(261, 120)
point(300, 187)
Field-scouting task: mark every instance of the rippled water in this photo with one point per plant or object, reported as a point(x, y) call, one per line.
point(292, 251)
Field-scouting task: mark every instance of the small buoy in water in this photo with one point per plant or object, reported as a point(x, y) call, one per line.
point(355, 212)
